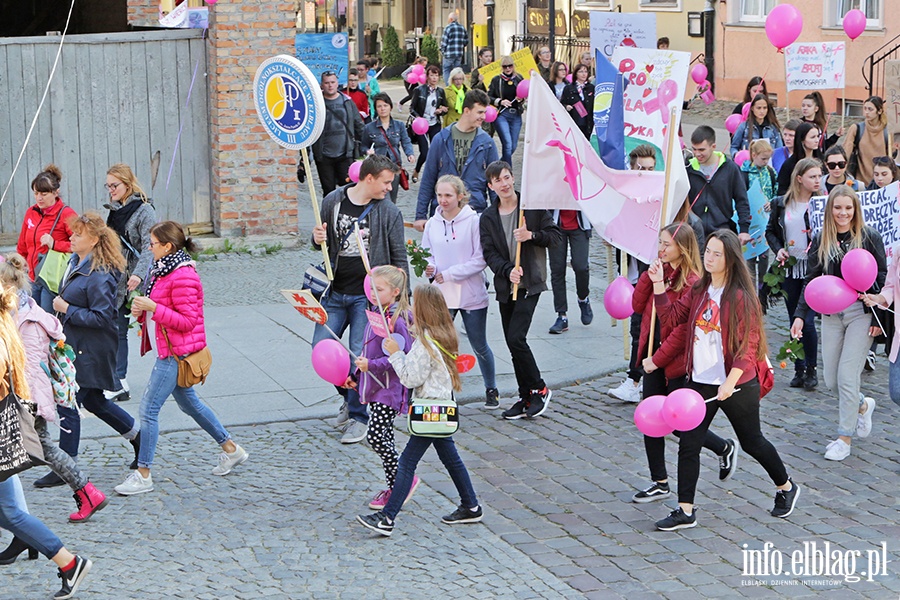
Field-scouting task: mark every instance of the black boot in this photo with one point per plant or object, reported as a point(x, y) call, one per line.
point(49, 480)
point(810, 380)
point(136, 444)
point(799, 378)
point(15, 548)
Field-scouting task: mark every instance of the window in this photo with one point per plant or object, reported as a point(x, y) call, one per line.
point(660, 4)
point(872, 9)
point(597, 4)
point(755, 11)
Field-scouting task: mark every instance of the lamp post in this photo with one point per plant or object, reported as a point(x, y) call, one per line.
point(709, 17)
point(489, 6)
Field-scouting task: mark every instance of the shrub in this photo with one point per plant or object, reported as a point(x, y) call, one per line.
point(390, 48)
point(431, 49)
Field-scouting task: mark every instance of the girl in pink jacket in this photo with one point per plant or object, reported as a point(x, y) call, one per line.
point(174, 301)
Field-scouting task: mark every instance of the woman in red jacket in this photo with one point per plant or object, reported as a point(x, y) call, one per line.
point(719, 324)
point(174, 301)
point(45, 228)
point(679, 260)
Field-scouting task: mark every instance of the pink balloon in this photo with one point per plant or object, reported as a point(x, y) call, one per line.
point(859, 269)
point(211, 1)
point(783, 25)
point(699, 73)
point(854, 23)
point(417, 69)
point(569, 78)
point(828, 294)
point(412, 78)
point(423, 77)
point(367, 287)
point(617, 298)
point(354, 171)
point(745, 111)
point(522, 89)
point(741, 157)
point(420, 125)
point(648, 417)
point(684, 409)
point(490, 115)
point(732, 122)
point(331, 361)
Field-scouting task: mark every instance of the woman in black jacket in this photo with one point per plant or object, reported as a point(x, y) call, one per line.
point(578, 98)
point(429, 102)
point(806, 145)
point(86, 307)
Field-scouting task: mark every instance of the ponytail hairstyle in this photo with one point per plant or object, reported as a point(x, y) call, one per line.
point(47, 180)
point(123, 173)
point(738, 284)
point(878, 103)
point(14, 273)
point(819, 118)
point(683, 235)
point(11, 345)
point(432, 319)
point(107, 253)
point(396, 278)
point(829, 247)
point(171, 232)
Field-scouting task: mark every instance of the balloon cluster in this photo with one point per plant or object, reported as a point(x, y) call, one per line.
point(658, 416)
point(828, 294)
point(417, 75)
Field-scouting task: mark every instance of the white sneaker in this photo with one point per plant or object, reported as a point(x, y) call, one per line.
point(229, 461)
point(837, 450)
point(864, 421)
point(627, 391)
point(135, 483)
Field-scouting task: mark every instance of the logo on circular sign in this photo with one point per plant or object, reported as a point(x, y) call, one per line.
point(289, 102)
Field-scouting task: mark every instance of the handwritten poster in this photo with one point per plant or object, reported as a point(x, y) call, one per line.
point(892, 93)
point(759, 220)
point(815, 66)
point(612, 29)
point(523, 59)
point(880, 210)
point(322, 52)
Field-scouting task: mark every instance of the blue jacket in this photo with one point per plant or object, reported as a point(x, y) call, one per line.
point(441, 161)
point(743, 135)
point(396, 133)
point(90, 322)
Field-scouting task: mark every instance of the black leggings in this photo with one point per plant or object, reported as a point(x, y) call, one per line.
point(655, 384)
point(425, 143)
point(742, 410)
point(380, 436)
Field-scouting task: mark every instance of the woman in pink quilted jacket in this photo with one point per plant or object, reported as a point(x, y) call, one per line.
point(174, 301)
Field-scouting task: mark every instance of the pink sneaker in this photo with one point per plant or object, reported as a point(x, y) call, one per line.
point(380, 500)
point(415, 483)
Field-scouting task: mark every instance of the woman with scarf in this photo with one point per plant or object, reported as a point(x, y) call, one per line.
point(578, 98)
point(429, 102)
point(131, 215)
point(502, 92)
point(456, 93)
point(174, 301)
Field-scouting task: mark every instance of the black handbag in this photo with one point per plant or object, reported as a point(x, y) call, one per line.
point(20, 446)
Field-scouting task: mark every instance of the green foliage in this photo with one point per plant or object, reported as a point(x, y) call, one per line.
point(431, 49)
point(391, 54)
point(791, 350)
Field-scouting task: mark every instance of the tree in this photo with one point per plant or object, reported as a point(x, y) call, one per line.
point(390, 49)
point(431, 50)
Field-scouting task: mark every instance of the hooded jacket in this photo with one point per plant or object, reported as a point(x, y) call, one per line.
point(718, 198)
point(457, 255)
point(37, 328)
point(393, 394)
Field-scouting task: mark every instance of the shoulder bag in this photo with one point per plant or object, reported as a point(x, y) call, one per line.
point(428, 417)
point(20, 446)
point(315, 279)
point(193, 368)
point(404, 178)
point(51, 266)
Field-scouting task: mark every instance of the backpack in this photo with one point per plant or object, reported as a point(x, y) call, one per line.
point(853, 161)
point(61, 371)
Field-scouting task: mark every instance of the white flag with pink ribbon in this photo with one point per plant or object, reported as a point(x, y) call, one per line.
point(562, 170)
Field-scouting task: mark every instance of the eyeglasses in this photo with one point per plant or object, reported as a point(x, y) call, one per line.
point(836, 165)
point(112, 186)
point(507, 66)
point(152, 243)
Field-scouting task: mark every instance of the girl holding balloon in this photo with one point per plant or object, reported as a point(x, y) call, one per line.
point(410, 78)
point(379, 386)
point(679, 261)
point(848, 328)
point(761, 123)
point(429, 102)
point(806, 145)
point(755, 87)
point(719, 324)
point(788, 235)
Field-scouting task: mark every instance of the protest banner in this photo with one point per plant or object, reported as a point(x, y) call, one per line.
point(815, 66)
point(655, 80)
point(892, 93)
point(759, 220)
point(612, 29)
point(322, 52)
point(880, 210)
point(523, 59)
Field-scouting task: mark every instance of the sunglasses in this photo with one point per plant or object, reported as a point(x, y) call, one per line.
point(507, 66)
point(836, 165)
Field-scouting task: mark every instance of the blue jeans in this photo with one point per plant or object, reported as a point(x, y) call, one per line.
point(162, 384)
point(108, 411)
point(344, 311)
point(122, 351)
point(810, 338)
point(508, 126)
point(476, 330)
point(42, 296)
point(15, 518)
point(449, 63)
point(894, 381)
point(412, 454)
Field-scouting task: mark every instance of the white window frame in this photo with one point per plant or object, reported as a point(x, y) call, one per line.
point(594, 5)
point(660, 5)
point(742, 17)
point(836, 10)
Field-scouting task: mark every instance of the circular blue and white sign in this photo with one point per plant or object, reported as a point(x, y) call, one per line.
point(289, 102)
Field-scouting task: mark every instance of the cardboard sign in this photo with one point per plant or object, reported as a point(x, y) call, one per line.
point(307, 305)
point(892, 93)
point(322, 52)
point(759, 220)
point(817, 66)
point(612, 29)
point(376, 323)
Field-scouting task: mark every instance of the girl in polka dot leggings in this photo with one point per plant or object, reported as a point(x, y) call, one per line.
point(379, 386)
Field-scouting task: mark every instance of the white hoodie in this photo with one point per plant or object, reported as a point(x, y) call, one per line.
point(456, 253)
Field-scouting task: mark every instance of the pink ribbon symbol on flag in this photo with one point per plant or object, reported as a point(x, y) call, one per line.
point(667, 92)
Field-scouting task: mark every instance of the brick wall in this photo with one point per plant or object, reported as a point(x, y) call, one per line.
point(254, 184)
point(143, 13)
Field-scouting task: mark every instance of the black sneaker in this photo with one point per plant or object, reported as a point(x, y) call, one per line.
point(587, 315)
point(728, 461)
point(516, 411)
point(810, 380)
point(657, 491)
point(492, 398)
point(677, 520)
point(540, 400)
point(73, 578)
point(562, 324)
point(870, 361)
point(49, 480)
point(463, 515)
point(377, 522)
point(785, 501)
point(797, 381)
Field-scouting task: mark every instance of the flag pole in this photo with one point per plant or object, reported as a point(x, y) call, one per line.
point(515, 291)
point(623, 270)
point(670, 149)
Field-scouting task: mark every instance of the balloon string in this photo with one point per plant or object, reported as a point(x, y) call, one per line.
point(181, 127)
